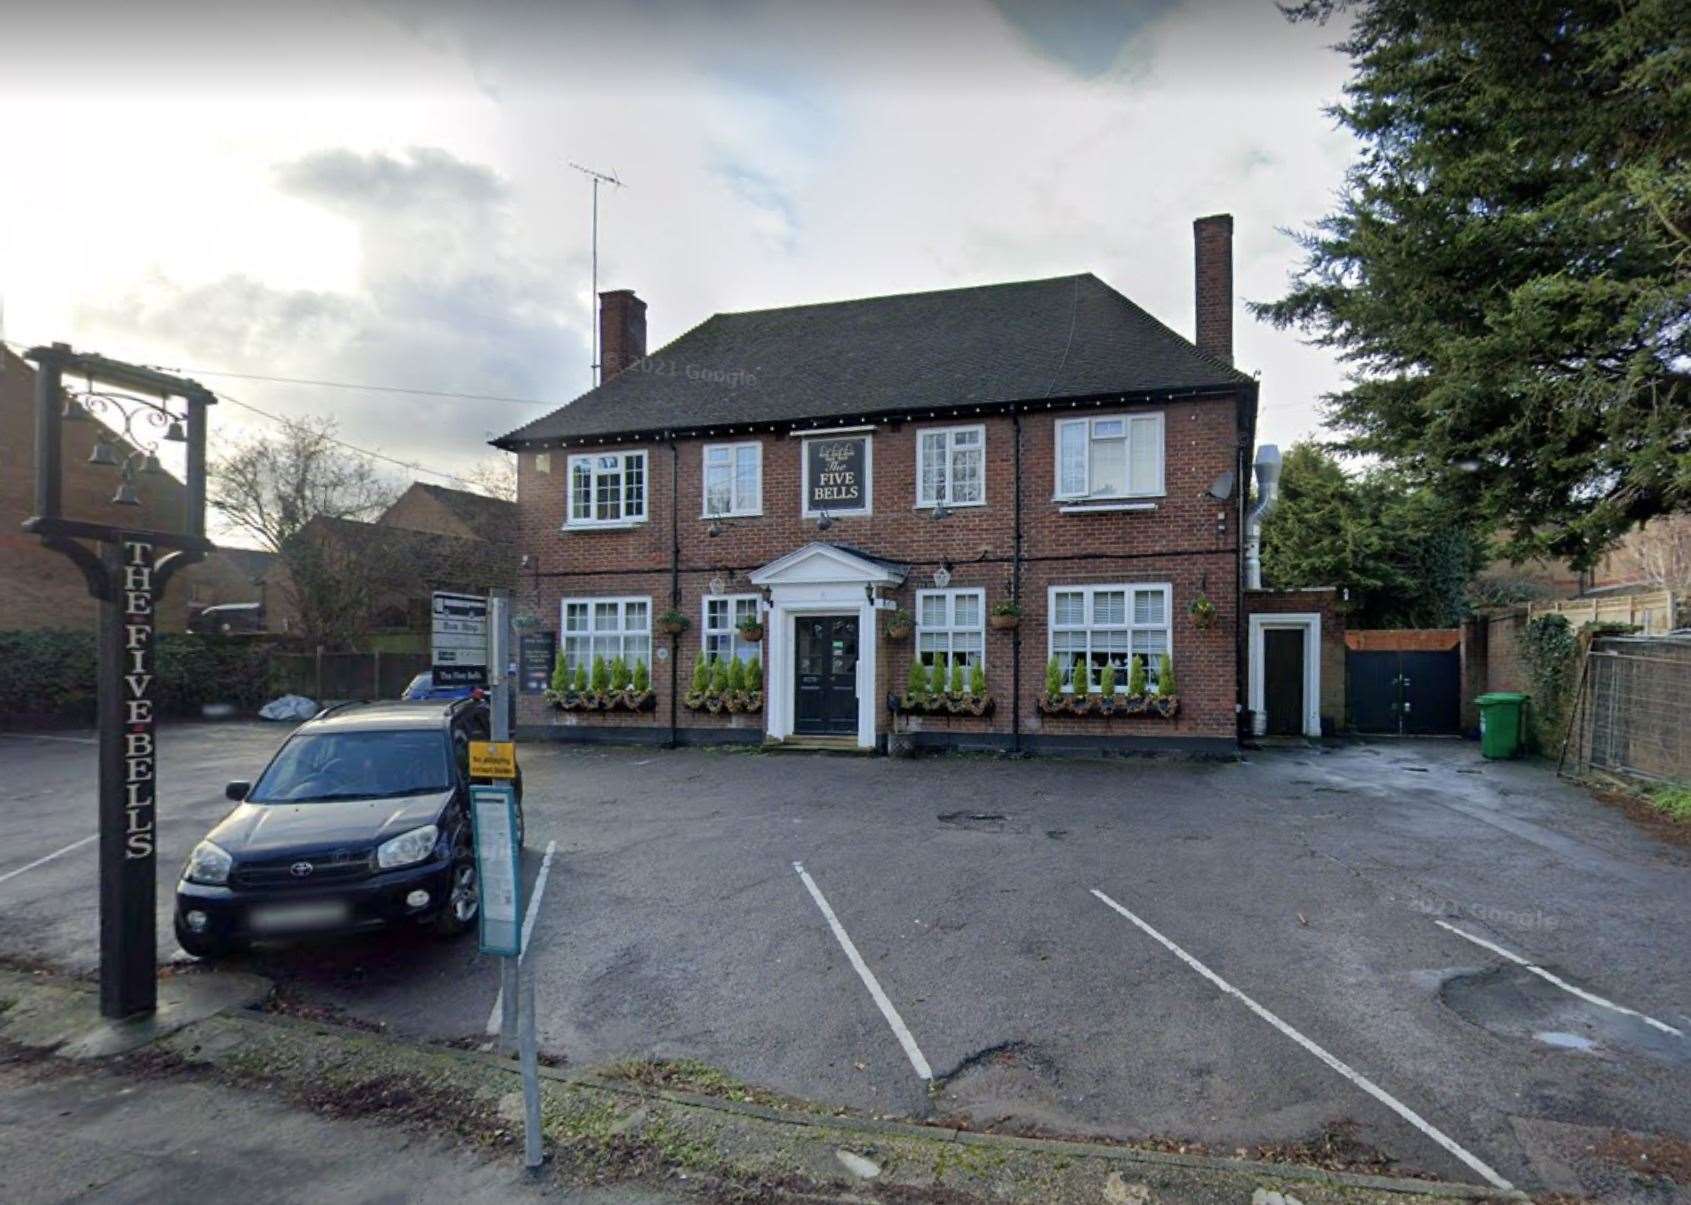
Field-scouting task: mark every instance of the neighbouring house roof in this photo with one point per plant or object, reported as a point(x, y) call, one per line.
point(424, 557)
point(490, 518)
point(252, 563)
point(1069, 336)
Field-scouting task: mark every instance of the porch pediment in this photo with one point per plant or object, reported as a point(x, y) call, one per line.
point(818, 563)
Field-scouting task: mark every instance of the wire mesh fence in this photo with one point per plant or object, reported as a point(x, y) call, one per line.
point(1631, 714)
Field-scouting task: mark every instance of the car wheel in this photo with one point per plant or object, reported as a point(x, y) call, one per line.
point(463, 900)
point(201, 945)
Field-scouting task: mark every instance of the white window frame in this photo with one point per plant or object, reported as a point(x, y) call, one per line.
point(951, 627)
point(571, 523)
point(868, 474)
point(950, 434)
point(1127, 418)
point(733, 630)
point(734, 510)
point(1128, 625)
point(622, 631)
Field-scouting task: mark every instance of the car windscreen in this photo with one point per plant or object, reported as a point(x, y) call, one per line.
point(321, 766)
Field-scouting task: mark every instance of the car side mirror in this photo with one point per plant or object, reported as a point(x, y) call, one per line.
point(237, 790)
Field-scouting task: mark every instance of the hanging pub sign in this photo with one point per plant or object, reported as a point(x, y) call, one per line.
point(836, 475)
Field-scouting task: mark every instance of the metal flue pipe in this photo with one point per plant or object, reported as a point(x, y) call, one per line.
point(1268, 493)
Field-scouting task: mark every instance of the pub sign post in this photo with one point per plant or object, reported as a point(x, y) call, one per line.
point(126, 567)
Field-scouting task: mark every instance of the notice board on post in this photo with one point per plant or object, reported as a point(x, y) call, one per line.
point(536, 651)
point(458, 640)
point(493, 810)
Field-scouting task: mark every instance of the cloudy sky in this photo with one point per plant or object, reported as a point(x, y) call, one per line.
point(380, 191)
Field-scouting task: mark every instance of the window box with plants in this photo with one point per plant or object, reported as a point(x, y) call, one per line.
point(1103, 697)
point(609, 686)
point(1006, 614)
point(734, 686)
point(942, 690)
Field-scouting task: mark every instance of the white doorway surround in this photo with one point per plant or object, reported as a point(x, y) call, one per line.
point(1308, 622)
point(822, 579)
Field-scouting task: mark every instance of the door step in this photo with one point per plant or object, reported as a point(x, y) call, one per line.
point(815, 744)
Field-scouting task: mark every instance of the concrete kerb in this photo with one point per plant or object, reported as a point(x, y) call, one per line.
point(600, 1121)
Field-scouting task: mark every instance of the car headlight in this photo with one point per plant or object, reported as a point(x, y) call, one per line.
point(407, 848)
point(208, 864)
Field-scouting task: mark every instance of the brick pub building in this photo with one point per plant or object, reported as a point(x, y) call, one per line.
point(824, 467)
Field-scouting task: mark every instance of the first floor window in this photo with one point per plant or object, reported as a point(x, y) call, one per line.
point(1097, 626)
point(723, 616)
point(733, 479)
point(606, 628)
point(949, 626)
point(951, 467)
point(1110, 456)
point(607, 487)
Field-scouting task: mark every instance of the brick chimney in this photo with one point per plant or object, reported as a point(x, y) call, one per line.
point(1212, 239)
point(622, 331)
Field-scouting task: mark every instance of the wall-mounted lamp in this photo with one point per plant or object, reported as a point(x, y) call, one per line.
point(824, 521)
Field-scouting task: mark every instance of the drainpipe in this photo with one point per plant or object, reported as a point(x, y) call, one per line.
point(674, 579)
point(1268, 493)
point(1016, 593)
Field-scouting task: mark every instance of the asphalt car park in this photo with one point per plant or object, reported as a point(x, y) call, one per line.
point(1467, 966)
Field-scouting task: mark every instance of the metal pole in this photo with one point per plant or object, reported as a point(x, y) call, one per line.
point(498, 616)
point(595, 299)
point(532, 1153)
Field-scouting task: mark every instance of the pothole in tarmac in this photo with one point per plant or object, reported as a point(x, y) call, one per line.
point(1512, 1002)
point(1011, 1086)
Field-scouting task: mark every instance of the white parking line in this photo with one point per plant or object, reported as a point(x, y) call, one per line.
point(899, 1029)
point(12, 874)
point(36, 736)
point(1343, 1068)
point(493, 1017)
point(1560, 982)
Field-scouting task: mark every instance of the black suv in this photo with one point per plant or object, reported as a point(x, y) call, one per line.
point(360, 820)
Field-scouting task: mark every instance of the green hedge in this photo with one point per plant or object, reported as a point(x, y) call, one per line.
point(49, 677)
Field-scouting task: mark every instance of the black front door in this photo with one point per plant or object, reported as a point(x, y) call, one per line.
point(825, 675)
point(1282, 675)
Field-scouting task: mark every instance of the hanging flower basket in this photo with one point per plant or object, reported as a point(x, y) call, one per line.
point(1202, 611)
point(1165, 706)
point(735, 702)
point(672, 623)
point(752, 632)
point(1006, 614)
point(899, 625)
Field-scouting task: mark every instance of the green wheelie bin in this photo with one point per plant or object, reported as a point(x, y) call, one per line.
point(1502, 727)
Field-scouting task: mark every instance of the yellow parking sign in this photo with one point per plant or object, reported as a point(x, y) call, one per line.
point(493, 759)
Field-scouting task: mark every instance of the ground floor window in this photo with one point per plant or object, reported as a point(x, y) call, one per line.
point(723, 616)
point(1110, 625)
point(607, 628)
point(949, 625)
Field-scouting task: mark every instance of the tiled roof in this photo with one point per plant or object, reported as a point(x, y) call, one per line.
point(1069, 336)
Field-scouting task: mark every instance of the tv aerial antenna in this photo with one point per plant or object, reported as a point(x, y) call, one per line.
point(598, 178)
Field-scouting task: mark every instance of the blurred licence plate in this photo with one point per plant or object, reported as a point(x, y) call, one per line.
point(316, 914)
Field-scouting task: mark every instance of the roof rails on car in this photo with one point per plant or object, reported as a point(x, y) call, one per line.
point(334, 707)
